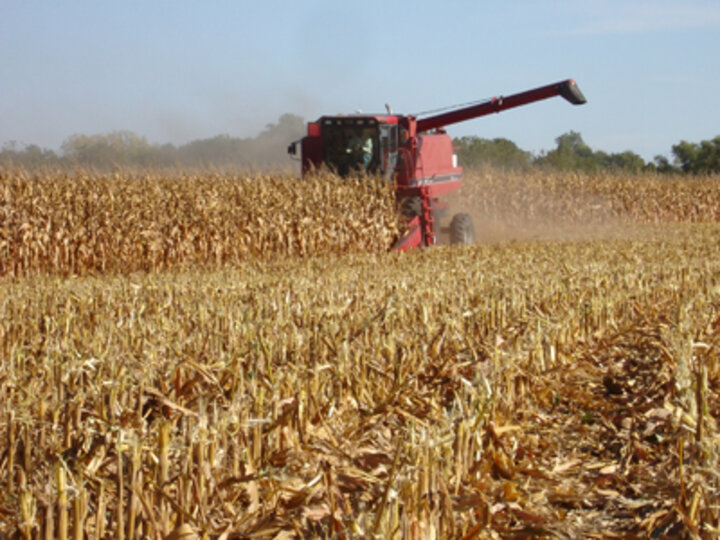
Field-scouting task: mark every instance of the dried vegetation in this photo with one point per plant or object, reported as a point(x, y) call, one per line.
point(88, 223)
point(576, 205)
point(528, 389)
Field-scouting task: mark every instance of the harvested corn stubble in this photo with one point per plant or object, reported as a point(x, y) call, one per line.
point(558, 389)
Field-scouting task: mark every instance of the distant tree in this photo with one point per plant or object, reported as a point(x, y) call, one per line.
point(166, 154)
point(124, 148)
point(215, 151)
point(698, 158)
point(686, 155)
point(268, 149)
point(661, 164)
point(709, 155)
point(29, 156)
point(289, 125)
point(114, 149)
point(572, 153)
point(474, 152)
point(625, 161)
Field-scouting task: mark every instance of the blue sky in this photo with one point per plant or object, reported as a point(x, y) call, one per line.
point(178, 71)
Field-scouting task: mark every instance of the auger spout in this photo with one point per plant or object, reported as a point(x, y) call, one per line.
point(568, 89)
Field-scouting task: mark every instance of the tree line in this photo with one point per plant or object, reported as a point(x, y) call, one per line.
point(267, 150)
point(572, 153)
point(126, 149)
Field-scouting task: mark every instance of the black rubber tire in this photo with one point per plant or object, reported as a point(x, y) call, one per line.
point(462, 230)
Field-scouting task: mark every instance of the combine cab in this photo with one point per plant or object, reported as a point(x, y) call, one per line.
point(414, 153)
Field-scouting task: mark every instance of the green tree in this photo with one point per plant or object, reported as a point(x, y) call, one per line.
point(625, 161)
point(572, 153)
point(474, 152)
point(698, 158)
point(686, 155)
point(662, 164)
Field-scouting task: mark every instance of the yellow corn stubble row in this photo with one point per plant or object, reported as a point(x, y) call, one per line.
point(389, 396)
point(91, 223)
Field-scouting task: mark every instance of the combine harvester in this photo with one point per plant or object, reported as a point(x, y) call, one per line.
point(415, 153)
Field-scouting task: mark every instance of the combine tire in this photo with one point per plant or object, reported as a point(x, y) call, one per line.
point(462, 230)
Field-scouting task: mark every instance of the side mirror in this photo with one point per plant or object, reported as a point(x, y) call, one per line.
point(292, 149)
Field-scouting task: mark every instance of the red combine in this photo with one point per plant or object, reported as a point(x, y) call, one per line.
point(415, 153)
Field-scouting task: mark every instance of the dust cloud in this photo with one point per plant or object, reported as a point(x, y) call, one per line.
point(542, 205)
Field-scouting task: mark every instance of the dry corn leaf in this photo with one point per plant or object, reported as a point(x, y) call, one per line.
point(183, 532)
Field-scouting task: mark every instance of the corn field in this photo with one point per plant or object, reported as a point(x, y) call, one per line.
point(552, 388)
point(575, 205)
point(100, 224)
point(96, 224)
